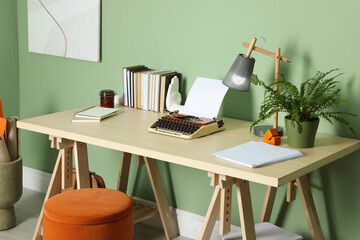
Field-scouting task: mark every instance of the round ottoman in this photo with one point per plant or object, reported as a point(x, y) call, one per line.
point(91, 214)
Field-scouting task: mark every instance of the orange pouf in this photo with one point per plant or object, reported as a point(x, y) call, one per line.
point(91, 214)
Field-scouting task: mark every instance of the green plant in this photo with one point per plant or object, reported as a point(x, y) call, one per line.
point(314, 99)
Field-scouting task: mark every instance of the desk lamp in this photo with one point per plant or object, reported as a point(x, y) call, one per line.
point(238, 78)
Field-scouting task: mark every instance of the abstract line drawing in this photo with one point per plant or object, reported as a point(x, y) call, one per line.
point(65, 28)
point(57, 23)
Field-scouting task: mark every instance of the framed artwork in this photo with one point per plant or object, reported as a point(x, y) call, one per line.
point(65, 28)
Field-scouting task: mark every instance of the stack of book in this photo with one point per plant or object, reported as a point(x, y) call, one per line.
point(145, 88)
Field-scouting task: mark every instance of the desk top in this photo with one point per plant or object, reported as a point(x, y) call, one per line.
point(127, 131)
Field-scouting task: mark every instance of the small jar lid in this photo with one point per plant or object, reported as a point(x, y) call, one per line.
point(107, 92)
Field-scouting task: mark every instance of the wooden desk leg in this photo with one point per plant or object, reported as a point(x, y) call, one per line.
point(82, 165)
point(245, 209)
point(220, 202)
point(124, 172)
point(140, 160)
point(268, 204)
point(211, 215)
point(309, 207)
point(290, 191)
point(225, 210)
point(160, 196)
point(66, 168)
point(53, 189)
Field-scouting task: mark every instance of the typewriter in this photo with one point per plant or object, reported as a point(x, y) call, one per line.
point(186, 126)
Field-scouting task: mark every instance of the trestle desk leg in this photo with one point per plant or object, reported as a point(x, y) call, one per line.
point(268, 204)
point(66, 168)
point(160, 197)
point(225, 210)
point(309, 207)
point(53, 189)
point(211, 215)
point(245, 209)
point(139, 160)
point(82, 165)
point(61, 177)
point(124, 172)
point(220, 202)
point(290, 191)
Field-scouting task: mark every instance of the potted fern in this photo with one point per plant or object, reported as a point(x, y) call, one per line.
point(304, 106)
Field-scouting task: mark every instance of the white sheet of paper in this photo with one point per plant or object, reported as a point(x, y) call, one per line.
point(205, 98)
point(255, 154)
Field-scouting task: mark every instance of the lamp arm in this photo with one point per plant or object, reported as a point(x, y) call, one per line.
point(263, 51)
point(251, 47)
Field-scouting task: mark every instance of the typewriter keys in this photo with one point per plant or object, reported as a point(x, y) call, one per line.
point(186, 126)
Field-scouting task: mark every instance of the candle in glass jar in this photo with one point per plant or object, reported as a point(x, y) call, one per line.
point(107, 98)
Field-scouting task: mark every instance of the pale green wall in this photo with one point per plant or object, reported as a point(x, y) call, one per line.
point(9, 64)
point(202, 38)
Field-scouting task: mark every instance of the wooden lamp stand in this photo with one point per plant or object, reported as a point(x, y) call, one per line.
point(261, 129)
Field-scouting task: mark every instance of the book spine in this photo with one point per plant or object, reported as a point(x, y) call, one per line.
point(145, 92)
point(125, 91)
point(150, 92)
point(162, 92)
point(157, 88)
point(135, 89)
point(131, 89)
point(141, 91)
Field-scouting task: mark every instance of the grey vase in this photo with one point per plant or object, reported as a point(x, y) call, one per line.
point(10, 192)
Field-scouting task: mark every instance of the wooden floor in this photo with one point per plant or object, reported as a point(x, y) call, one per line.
point(28, 209)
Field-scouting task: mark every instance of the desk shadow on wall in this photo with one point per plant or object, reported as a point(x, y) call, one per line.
point(338, 186)
point(342, 193)
point(337, 173)
point(351, 93)
point(339, 180)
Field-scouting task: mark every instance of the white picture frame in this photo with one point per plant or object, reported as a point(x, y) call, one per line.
point(65, 28)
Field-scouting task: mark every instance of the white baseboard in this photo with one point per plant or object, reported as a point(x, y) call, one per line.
point(35, 179)
point(189, 224)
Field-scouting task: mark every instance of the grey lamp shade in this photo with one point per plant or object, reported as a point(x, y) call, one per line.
point(238, 77)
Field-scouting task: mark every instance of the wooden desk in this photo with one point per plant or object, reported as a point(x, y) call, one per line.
point(127, 132)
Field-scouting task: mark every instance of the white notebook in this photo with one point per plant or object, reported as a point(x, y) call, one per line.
point(84, 120)
point(255, 154)
point(96, 113)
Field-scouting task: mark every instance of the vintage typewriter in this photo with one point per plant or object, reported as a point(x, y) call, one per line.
point(186, 126)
